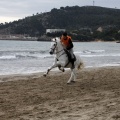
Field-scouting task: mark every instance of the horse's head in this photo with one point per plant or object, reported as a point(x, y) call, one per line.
point(53, 46)
point(56, 45)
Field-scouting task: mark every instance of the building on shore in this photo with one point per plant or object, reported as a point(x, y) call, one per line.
point(54, 30)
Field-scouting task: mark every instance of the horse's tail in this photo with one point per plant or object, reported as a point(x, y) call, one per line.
point(81, 65)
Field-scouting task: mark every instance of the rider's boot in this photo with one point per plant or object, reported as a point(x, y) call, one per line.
point(73, 66)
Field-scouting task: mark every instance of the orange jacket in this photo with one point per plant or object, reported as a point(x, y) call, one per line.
point(66, 41)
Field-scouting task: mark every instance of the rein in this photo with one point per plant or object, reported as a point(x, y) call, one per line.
point(55, 45)
point(59, 52)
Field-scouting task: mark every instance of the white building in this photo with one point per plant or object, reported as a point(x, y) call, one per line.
point(100, 29)
point(54, 30)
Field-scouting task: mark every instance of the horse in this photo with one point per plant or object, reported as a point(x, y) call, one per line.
point(62, 61)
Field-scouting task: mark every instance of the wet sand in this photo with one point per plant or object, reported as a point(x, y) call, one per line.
point(94, 96)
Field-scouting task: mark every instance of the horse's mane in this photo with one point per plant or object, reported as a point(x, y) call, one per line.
point(56, 39)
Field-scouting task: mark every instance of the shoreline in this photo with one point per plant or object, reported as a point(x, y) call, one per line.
point(8, 39)
point(117, 41)
point(9, 77)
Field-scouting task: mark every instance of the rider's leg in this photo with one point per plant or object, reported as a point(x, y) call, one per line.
point(73, 66)
point(72, 58)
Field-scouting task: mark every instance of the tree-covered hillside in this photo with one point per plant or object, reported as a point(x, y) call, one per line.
point(81, 22)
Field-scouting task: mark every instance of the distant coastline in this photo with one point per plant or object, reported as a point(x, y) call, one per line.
point(49, 39)
point(44, 39)
point(19, 39)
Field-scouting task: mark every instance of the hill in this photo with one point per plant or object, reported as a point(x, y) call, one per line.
point(81, 22)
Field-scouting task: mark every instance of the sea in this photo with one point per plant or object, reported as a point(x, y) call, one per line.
point(26, 57)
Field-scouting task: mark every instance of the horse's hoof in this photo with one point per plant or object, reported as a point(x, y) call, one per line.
point(73, 81)
point(44, 75)
point(68, 83)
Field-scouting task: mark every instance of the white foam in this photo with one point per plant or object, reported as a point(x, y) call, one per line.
point(93, 51)
point(8, 57)
point(102, 55)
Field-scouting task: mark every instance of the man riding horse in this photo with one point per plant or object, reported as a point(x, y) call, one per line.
point(61, 59)
point(68, 45)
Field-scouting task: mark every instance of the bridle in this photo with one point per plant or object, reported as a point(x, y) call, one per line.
point(53, 49)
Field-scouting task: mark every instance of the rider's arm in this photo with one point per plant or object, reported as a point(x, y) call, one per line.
point(70, 45)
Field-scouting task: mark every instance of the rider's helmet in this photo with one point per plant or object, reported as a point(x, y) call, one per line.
point(64, 34)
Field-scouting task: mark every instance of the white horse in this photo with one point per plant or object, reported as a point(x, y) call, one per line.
point(62, 61)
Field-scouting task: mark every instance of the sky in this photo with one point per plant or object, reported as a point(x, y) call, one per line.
point(11, 10)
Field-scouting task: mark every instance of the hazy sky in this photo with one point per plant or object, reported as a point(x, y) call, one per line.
point(11, 10)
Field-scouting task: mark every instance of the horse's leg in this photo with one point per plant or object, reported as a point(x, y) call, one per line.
point(53, 66)
point(74, 75)
point(71, 77)
point(61, 68)
point(48, 70)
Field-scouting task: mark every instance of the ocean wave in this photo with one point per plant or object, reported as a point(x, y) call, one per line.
point(102, 55)
point(89, 52)
point(7, 57)
point(39, 52)
point(78, 52)
point(10, 55)
point(13, 57)
point(110, 64)
point(93, 51)
point(23, 51)
point(42, 56)
point(24, 56)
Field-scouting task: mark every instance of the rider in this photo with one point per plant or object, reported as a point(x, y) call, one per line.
point(68, 45)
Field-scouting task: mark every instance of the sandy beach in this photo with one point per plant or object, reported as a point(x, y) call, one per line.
point(94, 96)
